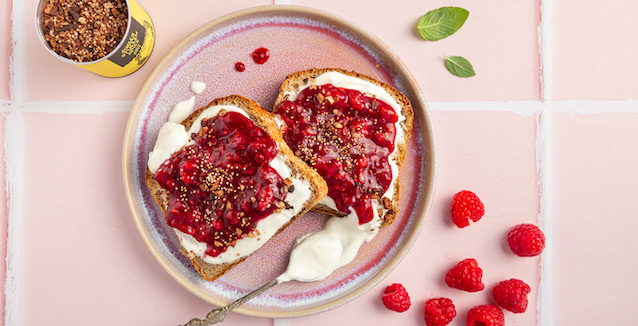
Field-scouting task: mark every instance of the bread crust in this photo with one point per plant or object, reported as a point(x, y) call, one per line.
point(294, 83)
point(264, 120)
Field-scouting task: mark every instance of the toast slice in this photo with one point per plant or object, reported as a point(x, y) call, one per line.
point(386, 205)
point(302, 187)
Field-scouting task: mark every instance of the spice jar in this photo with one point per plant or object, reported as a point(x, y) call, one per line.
point(112, 38)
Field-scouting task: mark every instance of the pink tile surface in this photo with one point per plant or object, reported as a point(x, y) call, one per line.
point(62, 81)
point(474, 153)
point(595, 219)
point(5, 48)
point(502, 47)
point(84, 259)
point(594, 51)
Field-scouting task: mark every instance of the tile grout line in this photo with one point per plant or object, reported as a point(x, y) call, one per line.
point(14, 146)
point(545, 42)
point(544, 298)
point(14, 149)
point(282, 322)
point(593, 106)
point(79, 107)
point(16, 72)
point(545, 216)
point(522, 107)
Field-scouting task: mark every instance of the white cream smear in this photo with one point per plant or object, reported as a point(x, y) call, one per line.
point(173, 136)
point(316, 255)
point(197, 87)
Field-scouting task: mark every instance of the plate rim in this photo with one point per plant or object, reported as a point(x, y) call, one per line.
point(428, 161)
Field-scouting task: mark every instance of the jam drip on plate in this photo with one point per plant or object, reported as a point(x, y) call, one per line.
point(222, 185)
point(260, 56)
point(347, 137)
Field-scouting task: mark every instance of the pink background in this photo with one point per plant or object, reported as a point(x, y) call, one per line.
point(544, 134)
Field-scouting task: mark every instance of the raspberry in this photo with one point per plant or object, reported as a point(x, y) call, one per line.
point(396, 298)
point(466, 206)
point(439, 312)
point(526, 240)
point(485, 316)
point(465, 276)
point(512, 295)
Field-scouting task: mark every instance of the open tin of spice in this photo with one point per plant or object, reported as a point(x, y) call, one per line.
point(112, 38)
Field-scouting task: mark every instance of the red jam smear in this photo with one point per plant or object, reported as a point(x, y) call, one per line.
point(222, 185)
point(239, 66)
point(347, 137)
point(261, 55)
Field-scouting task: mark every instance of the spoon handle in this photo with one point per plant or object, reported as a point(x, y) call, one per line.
point(218, 315)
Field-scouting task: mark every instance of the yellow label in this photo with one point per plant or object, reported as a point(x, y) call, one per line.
point(139, 42)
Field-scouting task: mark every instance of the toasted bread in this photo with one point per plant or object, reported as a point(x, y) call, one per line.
point(298, 169)
point(296, 82)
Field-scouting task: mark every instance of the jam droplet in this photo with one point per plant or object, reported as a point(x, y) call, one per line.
point(260, 56)
point(239, 66)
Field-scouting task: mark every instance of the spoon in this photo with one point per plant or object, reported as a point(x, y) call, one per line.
point(218, 315)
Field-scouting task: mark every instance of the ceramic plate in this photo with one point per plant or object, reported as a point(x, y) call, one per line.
point(298, 38)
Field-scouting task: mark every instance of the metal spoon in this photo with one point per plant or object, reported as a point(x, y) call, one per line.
point(218, 315)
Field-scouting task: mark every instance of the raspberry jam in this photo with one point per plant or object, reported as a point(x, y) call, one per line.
point(222, 185)
point(260, 56)
point(347, 137)
point(239, 66)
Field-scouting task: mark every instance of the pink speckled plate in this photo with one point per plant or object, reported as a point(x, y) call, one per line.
point(298, 38)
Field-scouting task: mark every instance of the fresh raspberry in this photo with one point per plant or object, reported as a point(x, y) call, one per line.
point(396, 298)
point(465, 276)
point(439, 312)
point(526, 240)
point(512, 295)
point(487, 315)
point(466, 206)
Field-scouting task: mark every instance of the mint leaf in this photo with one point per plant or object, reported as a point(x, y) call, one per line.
point(459, 66)
point(440, 23)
